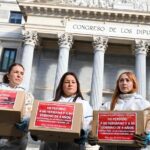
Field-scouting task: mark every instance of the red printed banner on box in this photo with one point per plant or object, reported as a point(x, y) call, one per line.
point(7, 99)
point(116, 126)
point(54, 115)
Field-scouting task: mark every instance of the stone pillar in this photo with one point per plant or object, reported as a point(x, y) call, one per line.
point(65, 42)
point(30, 38)
point(1, 49)
point(100, 45)
point(141, 49)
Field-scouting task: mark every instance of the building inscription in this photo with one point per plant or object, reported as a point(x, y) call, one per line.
point(109, 29)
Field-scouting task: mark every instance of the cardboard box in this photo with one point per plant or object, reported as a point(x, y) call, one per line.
point(11, 109)
point(113, 127)
point(56, 121)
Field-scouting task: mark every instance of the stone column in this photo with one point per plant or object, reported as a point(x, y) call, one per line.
point(65, 42)
point(1, 49)
point(100, 45)
point(141, 49)
point(30, 38)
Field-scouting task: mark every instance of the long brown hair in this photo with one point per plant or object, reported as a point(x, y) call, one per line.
point(5, 77)
point(117, 91)
point(59, 90)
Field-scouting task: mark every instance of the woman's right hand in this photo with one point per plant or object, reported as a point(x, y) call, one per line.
point(142, 140)
point(92, 140)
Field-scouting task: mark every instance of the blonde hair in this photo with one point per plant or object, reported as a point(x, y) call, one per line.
point(117, 91)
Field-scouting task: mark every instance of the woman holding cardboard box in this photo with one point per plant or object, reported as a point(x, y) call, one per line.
point(12, 81)
point(125, 98)
point(69, 91)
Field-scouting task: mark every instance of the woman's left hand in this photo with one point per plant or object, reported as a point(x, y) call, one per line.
point(23, 125)
point(82, 139)
point(92, 140)
point(142, 140)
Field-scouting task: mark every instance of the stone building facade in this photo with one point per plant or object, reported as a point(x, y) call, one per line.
point(96, 39)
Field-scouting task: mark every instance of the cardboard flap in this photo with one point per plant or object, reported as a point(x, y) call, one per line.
point(95, 123)
point(147, 119)
point(9, 130)
point(11, 110)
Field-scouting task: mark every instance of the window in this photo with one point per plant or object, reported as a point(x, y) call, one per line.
point(8, 57)
point(15, 17)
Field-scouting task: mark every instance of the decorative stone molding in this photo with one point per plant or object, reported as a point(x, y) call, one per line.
point(100, 43)
point(142, 46)
point(130, 4)
point(30, 37)
point(115, 15)
point(65, 40)
point(64, 21)
point(139, 5)
point(90, 3)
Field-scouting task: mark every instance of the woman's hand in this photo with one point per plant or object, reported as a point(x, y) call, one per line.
point(23, 125)
point(142, 140)
point(92, 140)
point(82, 139)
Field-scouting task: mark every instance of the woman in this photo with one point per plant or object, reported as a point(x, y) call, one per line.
point(69, 91)
point(12, 81)
point(125, 98)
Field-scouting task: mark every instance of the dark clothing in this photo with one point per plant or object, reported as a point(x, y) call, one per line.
point(61, 146)
point(114, 147)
